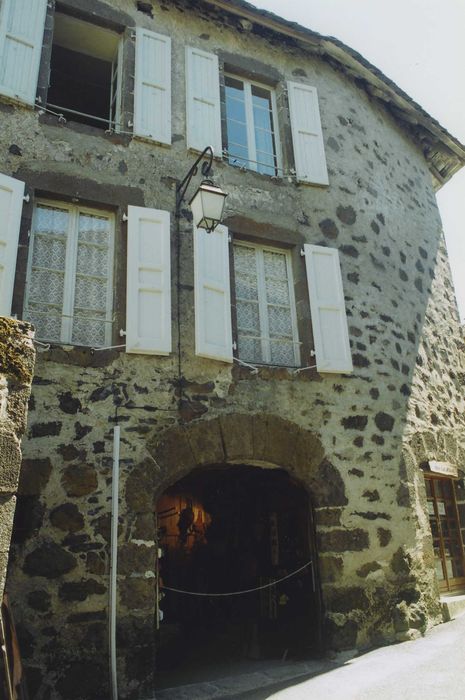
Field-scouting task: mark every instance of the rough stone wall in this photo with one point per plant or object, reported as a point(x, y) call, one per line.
point(358, 432)
point(16, 368)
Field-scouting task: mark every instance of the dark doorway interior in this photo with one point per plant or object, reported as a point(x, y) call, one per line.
point(226, 530)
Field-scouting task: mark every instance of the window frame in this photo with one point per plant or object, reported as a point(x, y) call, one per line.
point(252, 163)
point(259, 249)
point(67, 307)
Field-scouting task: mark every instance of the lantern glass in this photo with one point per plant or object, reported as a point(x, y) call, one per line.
point(207, 206)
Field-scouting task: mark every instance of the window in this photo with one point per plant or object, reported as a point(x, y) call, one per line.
point(252, 136)
point(265, 306)
point(69, 290)
point(85, 81)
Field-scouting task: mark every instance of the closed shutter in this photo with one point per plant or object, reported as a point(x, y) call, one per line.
point(203, 101)
point(11, 204)
point(307, 136)
point(21, 32)
point(327, 305)
point(152, 89)
point(148, 302)
point(213, 334)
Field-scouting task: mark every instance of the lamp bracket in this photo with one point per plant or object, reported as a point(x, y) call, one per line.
point(207, 157)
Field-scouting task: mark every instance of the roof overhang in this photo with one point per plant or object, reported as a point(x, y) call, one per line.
point(444, 154)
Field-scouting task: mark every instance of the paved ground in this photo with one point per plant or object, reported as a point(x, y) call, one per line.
point(430, 668)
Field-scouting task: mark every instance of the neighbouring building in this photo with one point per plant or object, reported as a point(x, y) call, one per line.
point(288, 388)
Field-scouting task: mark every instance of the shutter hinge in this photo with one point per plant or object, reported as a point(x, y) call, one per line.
point(229, 238)
point(234, 345)
point(122, 333)
point(26, 198)
point(125, 218)
point(130, 123)
point(302, 252)
point(312, 353)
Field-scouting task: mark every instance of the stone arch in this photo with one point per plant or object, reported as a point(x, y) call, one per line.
point(236, 438)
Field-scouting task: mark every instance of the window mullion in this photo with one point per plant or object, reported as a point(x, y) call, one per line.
point(250, 126)
point(70, 277)
point(263, 306)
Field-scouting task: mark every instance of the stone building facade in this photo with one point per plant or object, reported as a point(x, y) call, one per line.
point(291, 415)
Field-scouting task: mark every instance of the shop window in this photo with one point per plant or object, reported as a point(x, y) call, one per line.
point(85, 81)
point(69, 289)
point(265, 306)
point(251, 126)
point(445, 529)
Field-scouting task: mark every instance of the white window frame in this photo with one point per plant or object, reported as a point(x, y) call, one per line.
point(262, 302)
point(70, 267)
point(250, 126)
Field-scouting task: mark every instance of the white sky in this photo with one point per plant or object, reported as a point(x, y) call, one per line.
point(420, 45)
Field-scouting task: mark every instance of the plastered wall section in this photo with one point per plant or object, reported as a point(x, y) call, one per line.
point(379, 211)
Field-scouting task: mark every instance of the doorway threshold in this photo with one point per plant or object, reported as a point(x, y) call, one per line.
point(245, 678)
point(453, 605)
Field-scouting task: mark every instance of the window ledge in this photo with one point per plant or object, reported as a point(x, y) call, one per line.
point(267, 372)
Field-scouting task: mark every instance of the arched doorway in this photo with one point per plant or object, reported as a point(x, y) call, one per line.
point(226, 529)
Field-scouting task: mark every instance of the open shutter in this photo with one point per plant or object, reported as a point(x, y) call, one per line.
point(148, 301)
point(307, 136)
point(203, 101)
point(152, 88)
point(21, 33)
point(11, 204)
point(213, 334)
point(327, 305)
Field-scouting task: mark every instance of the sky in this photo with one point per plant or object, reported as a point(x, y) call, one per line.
point(419, 45)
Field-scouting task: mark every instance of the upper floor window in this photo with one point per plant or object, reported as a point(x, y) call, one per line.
point(69, 281)
point(265, 306)
point(252, 136)
point(85, 82)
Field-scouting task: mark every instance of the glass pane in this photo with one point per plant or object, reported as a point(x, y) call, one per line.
point(47, 324)
point(279, 322)
point(91, 284)
point(250, 349)
point(282, 353)
point(248, 317)
point(51, 220)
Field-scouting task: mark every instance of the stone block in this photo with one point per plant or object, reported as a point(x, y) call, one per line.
point(135, 558)
point(237, 433)
point(79, 480)
point(10, 460)
point(138, 593)
point(49, 561)
point(34, 476)
point(173, 452)
point(343, 540)
point(206, 442)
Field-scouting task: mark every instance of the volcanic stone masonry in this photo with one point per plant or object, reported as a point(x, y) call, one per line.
point(356, 442)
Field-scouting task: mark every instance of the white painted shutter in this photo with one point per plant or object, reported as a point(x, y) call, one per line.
point(148, 300)
point(307, 136)
point(327, 305)
point(203, 101)
point(152, 87)
point(11, 204)
point(21, 33)
point(213, 334)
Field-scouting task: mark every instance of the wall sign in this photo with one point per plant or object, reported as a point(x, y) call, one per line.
point(443, 468)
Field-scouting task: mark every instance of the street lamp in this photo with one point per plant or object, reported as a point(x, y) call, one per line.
point(207, 204)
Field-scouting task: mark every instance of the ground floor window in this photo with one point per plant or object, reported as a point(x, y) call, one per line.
point(445, 528)
point(69, 282)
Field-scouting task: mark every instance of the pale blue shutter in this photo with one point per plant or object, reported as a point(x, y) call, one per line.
point(11, 203)
point(203, 100)
point(21, 33)
point(307, 135)
point(152, 86)
point(329, 321)
point(148, 300)
point(213, 333)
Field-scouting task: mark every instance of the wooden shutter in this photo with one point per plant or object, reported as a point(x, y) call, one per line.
point(203, 101)
point(148, 301)
point(213, 334)
point(11, 204)
point(21, 33)
point(152, 88)
point(327, 305)
point(307, 136)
